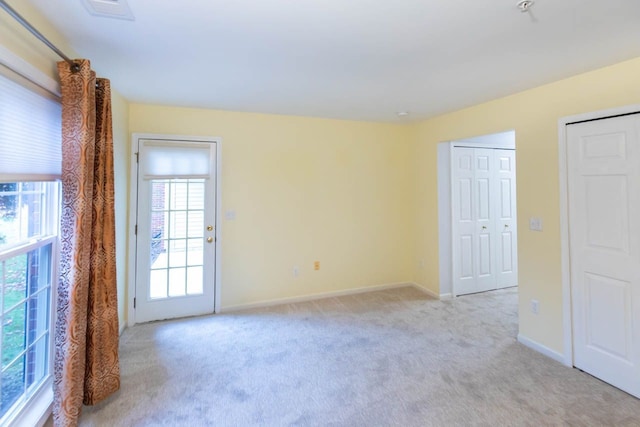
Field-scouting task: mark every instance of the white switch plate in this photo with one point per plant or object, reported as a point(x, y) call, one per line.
point(535, 306)
point(535, 223)
point(230, 215)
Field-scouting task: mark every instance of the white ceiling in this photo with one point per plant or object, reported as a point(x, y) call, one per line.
point(348, 59)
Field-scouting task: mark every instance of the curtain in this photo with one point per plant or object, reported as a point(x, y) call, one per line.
point(86, 367)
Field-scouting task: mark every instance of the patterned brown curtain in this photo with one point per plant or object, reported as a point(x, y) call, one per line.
point(86, 367)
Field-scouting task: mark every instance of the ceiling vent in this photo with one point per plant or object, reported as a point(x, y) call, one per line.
point(118, 9)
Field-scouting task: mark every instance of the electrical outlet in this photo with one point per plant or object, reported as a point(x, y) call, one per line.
point(316, 265)
point(296, 271)
point(535, 306)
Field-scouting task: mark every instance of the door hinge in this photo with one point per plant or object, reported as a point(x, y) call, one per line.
point(135, 231)
point(137, 157)
point(134, 302)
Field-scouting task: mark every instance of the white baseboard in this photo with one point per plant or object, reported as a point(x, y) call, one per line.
point(541, 348)
point(311, 297)
point(122, 327)
point(446, 296)
point(425, 290)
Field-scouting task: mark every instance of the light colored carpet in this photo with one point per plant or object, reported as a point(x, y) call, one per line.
point(386, 358)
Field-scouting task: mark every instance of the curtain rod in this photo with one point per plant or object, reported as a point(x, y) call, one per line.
point(15, 15)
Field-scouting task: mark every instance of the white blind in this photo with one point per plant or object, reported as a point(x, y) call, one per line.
point(30, 133)
point(165, 159)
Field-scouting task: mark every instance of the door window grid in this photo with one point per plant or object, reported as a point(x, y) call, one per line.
point(177, 230)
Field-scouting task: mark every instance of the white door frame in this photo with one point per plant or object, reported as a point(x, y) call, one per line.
point(567, 315)
point(133, 205)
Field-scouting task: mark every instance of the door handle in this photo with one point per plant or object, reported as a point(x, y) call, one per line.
point(484, 227)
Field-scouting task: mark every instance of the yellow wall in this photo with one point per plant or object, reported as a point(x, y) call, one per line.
point(303, 189)
point(534, 115)
point(121, 152)
point(19, 41)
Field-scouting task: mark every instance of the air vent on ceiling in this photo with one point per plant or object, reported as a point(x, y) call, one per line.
point(118, 9)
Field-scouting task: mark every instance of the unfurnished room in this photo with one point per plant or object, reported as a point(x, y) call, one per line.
point(313, 213)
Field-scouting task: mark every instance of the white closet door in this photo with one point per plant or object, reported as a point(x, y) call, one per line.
point(484, 186)
point(484, 228)
point(506, 221)
point(604, 227)
point(464, 224)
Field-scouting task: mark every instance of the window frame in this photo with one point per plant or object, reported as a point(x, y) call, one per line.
point(39, 400)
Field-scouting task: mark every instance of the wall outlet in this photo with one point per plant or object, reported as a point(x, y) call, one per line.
point(296, 271)
point(316, 265)
point(535, 306)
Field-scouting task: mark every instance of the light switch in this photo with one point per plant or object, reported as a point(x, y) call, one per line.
point(535, 223)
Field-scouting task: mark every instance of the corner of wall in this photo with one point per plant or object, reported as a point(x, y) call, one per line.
point(121, 150)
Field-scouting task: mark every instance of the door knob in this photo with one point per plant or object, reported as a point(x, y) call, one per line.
point(209, 239)
point(209, 227)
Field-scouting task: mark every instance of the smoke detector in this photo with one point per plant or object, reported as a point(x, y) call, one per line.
point(524, 5)
point(118, 9)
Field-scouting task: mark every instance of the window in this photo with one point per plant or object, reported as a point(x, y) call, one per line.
point(30, 134)
point(28, 218)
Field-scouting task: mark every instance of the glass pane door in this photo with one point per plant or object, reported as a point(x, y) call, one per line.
point(176, 237)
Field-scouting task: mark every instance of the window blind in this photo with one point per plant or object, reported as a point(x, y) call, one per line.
point(160, 160)
point(30, 132)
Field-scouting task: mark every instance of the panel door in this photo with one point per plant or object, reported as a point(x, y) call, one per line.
point(464, 224)
point(484, 185)
point(604, 227)
point(506, 220)
point(474, 225)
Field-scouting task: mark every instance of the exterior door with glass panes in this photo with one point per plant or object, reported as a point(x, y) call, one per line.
point(175, 236)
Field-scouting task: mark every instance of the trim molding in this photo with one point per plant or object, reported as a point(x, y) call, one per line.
point(38, 408)
point(321, 295)
point(534, 345)
point(425, 290)
point(28, 71)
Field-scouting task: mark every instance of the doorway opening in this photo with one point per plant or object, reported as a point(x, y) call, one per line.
point(477, 215)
